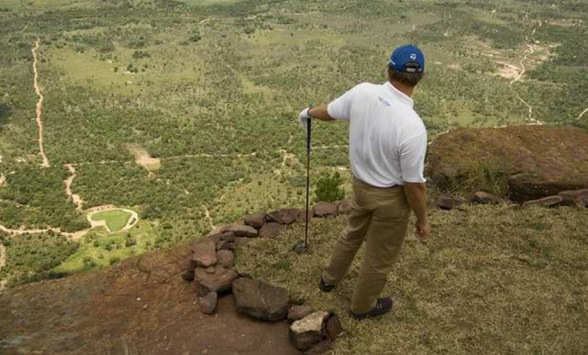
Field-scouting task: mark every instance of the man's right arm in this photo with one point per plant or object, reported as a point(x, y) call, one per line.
point(412, 161)
point(416, 195)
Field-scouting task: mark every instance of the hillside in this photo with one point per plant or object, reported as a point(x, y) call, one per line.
point(495, 280)
point(183, 112)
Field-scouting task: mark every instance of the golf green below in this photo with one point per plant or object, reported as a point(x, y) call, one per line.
point(115, 219)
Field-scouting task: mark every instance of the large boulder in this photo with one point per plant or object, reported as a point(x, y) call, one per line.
point(526, 162)
point(309, 330)
point(219, 280)
point(260, 300)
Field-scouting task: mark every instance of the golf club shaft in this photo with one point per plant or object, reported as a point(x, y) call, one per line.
point(308, 148)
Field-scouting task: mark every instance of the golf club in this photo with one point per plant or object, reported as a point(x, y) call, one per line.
point(302, 247)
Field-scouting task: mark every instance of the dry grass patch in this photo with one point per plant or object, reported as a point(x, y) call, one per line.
point(495, 280)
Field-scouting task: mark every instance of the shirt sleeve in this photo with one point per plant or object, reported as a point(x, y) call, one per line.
point(340, 108)
point(412, 158)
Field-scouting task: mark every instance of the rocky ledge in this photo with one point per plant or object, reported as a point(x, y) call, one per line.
point(210, 268)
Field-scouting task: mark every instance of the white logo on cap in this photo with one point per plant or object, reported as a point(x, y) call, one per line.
point(413, 56)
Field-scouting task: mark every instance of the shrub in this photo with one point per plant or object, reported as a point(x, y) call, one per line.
point(328, 187)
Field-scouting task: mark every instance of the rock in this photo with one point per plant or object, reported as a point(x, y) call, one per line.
point(271, 230)
point(210, 270)
point(188, 275)
point(220, 245)
point(484, 198)
point(219, 281)
point(334, 327)
point(344, 207)
point(255, 220)
point(550, 201)
point(308, 331)
point(228, 237)
point(320, 348)
point(531, 162)
point(449, 203)
point(284, 216)
point(583, 199)
point(298, 312)
point(226, 258)
point(208, 303)
point(240, 230)
point(260, 300)
point(228, 246)
point(204, 252)
point(324, 209)
point(573, 197)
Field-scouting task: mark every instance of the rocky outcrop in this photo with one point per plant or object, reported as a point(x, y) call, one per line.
point(210, 268)
point(260, 300)
point(527, 162)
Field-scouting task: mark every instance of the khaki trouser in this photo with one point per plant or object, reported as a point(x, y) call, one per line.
point(382, 215)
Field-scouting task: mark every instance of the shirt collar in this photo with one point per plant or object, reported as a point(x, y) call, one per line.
point(399, 94)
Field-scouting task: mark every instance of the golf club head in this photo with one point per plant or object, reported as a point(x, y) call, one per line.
point(301, 247)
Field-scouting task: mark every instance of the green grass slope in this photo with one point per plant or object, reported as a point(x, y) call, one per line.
point(494, 280)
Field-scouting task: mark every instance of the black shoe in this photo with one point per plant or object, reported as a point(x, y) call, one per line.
point(383, 306)
point(325, 287)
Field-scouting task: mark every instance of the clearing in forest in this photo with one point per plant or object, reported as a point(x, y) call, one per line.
point(143, 159)
point(115, 219)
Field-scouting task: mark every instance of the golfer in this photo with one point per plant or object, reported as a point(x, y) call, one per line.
point(387, 145)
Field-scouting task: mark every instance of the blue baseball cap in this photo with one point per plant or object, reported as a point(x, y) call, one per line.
point(408, 59)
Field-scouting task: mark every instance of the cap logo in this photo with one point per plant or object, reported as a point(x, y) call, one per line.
point(413, 56)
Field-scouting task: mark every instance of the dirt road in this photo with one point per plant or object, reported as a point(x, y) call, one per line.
point(77, 200)
point(39, 106)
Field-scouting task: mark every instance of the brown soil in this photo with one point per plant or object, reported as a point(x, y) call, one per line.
point(140, 306)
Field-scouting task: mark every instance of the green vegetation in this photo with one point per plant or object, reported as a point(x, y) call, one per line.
point(479, 286)
point(115, 219)
point(328, 188)
point(212, 89)
point(99, 248)
point(33, 257)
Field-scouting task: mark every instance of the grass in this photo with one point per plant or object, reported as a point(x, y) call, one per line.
point(494, 280)
point(115, 219)
point(93, 250)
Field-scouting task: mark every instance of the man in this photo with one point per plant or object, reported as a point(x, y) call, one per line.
point(387, 146)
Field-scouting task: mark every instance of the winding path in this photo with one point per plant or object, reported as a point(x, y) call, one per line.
point(39, 106)
point(77, 200)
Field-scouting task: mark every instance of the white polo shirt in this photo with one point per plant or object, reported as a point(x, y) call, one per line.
point(387, 138)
